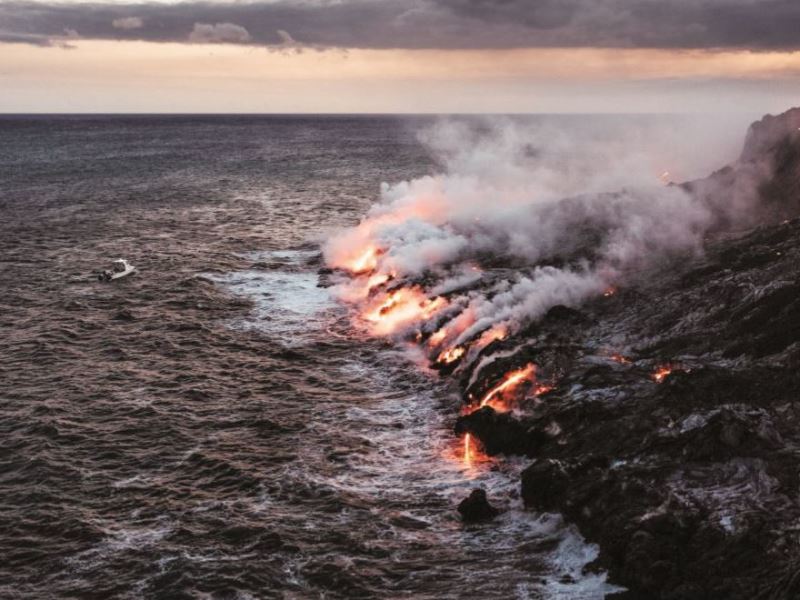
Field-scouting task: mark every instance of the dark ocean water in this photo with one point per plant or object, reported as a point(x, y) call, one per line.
point(214, 427)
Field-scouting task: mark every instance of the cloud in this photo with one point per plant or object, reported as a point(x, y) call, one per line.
point(221, 33)
point(60, 40)
point(127, 23)
point(412, 24)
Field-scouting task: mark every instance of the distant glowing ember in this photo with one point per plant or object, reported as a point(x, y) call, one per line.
point(661, 373)
point(610, 291)
point(619, 358)
point(451, 355)
point(511, 381)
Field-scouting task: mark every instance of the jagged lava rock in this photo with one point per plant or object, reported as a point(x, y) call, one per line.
point(476, 507)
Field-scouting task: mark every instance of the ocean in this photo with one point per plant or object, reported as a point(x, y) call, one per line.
point(215, 426)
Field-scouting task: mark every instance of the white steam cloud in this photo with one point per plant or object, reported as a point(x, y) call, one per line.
point(536, 196)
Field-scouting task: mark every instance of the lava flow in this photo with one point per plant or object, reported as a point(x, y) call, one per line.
point(451, 355)
point(472, 452)
point(399, 308)
point(364, 262)
point(619, 358)
point(468, 449)
point(661, 373)
point(496, 397)
point(496, 333)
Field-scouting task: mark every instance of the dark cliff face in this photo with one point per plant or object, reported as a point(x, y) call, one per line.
point(765, 135)
point(763, 186)
point(671, 435)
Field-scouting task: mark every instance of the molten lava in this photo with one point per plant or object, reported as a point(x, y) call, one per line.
point(619, 358)
point(451, 355)
point(661, 373)
point(400, 308)
point(437, 338)
point(498, 332)
point(496, 397)
point(431, 307)
point(364, 262)
point(471, 452)
point(358, 289)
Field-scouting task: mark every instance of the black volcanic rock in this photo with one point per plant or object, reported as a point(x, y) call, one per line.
point(765, 135)
point(764, 184)
point(498, 432)
point(476, 507)
point(690, 482)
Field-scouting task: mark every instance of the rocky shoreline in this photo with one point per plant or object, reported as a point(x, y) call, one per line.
point(670, 433)
point(660, 415)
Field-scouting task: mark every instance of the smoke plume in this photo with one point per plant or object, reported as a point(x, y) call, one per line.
point(524, 216)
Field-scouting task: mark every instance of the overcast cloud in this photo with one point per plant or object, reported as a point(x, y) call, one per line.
point(445, 24)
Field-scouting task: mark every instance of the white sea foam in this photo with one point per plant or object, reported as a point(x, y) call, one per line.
point(401, 459)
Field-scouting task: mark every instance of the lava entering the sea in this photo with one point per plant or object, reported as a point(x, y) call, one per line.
point(400, 308)
point(499, 397)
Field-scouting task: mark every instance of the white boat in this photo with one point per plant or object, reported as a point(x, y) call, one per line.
point(119, 269)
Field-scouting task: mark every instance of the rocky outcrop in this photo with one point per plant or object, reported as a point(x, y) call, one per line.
point(763, 186)
point(476, 507)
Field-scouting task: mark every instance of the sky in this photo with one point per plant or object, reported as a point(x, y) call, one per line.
point(400, 56)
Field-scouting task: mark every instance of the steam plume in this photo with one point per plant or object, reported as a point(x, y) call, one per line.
point(534, 197)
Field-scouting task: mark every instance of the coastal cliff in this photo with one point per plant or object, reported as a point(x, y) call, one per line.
point(670, 434)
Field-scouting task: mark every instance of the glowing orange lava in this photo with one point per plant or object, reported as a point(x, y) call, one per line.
point(471, 452)
point(498, 332)
point(363, 262)
point(433, 306)
point(376, 280)
point(451, 355)
point(437, 338)
point(399, 308)
point(661, 373)
point(512, 380)
point(359, 288)
point(620, 359)
point(610, 291)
